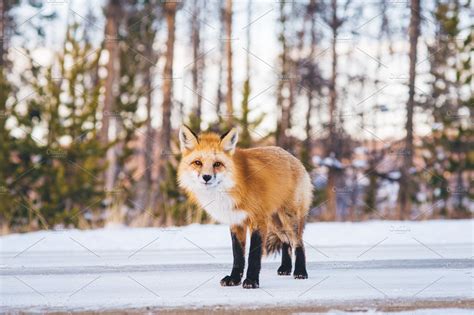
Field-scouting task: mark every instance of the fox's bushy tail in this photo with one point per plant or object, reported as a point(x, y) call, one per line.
point(273, 244)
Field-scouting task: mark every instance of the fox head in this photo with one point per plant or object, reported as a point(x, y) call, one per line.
point(206, 162)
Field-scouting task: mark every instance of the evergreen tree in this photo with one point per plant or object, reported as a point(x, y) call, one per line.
point(197, 67)
point(65, 182)
point(312, 81)
point(446, 151)
point(113, 14)
point(283, 102)
point(18, 167)
point(406, 187)
point(15, 162)
point(243, 120)
point(245, 140)
point(228, 13)
point(165, 136)
point(135, 63)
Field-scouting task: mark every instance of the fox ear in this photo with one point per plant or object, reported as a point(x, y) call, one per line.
point(229, 140)
point(187, 138)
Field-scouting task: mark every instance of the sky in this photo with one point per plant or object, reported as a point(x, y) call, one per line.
point(359, 55)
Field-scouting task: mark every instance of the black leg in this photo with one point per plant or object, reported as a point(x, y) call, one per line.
point(255, 261)
point(285, 268)
point(239, 263)
point(300, 263)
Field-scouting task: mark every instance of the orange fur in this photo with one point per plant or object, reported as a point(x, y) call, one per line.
point(269, 185)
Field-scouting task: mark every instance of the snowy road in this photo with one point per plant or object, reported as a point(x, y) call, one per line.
point(138, 268)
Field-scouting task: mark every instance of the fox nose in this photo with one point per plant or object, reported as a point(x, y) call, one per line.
point(206, 178)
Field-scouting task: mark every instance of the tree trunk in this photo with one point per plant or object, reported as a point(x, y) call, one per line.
point(219, 97)
point(165, 134)
point(245, 138)
point(148, 150)
point(113, 13)
point(307, 144)
point(374, 157)
point(3, 22)
point(111, 45)
point(165, 137)
point(197, 65)
point(249, 40)
point(331, 184)
point(229, 95)
point(290, 104)
point(282, 102)
point(405, 185)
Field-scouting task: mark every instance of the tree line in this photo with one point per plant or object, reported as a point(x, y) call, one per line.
point(88, 139)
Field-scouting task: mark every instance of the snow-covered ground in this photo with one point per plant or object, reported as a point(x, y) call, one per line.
point(134, 268)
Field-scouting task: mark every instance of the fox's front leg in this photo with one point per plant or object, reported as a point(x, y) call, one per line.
point(238, 234)
point(255, 260)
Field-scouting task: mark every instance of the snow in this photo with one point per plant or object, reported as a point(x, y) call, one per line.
point(123, 268)
point(323, 234)
point(359, 163)
point(331, 161)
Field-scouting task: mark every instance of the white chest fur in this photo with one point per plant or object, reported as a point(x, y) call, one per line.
point(217, 202)
point(220, 206)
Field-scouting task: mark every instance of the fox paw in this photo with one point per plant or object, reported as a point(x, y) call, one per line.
point(250, 284)
point(284, 271)
point(229, 281)
point(300, 274)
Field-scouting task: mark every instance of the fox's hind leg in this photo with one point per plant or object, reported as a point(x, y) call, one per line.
point(238, 234)
point(300, 260)
point(300, 263)
point(280, 239)
point(286, 265)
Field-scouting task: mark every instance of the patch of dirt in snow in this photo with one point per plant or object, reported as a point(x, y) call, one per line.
point(358, 307)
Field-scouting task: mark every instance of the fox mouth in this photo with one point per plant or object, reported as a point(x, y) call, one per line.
point(213, 184)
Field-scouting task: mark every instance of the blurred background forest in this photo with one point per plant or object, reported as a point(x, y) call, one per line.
point(375, 97)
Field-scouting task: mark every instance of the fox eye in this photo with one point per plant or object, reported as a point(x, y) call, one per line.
point(197, 163)
point(217, 164)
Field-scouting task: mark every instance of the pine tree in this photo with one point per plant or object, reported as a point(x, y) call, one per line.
point(406, 187)
point(446, 151)
point(197, 67)
point(375, 155)
point(219, 94)
point(66, 185)
point(7, 166)
point(19, 153)
point(136, 59)
point(228, 48)
point(312, 82)
point(243, 120)
point(113, 13)
point(283, 105)
point(335, 24)
point(15, 162)
point(164, 174)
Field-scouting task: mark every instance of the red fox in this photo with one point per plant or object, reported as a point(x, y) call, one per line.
point(266, 190)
